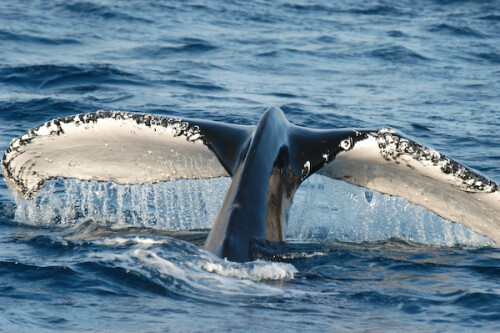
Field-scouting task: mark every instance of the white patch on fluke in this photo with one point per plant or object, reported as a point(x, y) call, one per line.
point(306, 169)
point(346, 144)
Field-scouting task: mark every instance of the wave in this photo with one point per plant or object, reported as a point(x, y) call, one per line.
point(116, 265)
point(187, 45)
point(378, 10)
point(398, 54)
point(479, 301)
point(396, 34)
point(197, 84)
point(57, 76)
point(28, 38)
point(389, 53)
point(327, 39)
point(307, 7)
point(166, 259)
point(382, 10)
point(455, 31)
point(491, 17)
point(91, 78)
point(25, 272)
point(420, 127)
point(37, 110)
point(160, 277)
point(491, 57)
point(290, 52)
point(92, 9)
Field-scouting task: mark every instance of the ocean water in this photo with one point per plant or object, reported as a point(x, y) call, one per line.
point(100, 257)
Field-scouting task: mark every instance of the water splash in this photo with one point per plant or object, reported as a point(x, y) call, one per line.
point(326, 209)
point(323, 210)
point(178, 205)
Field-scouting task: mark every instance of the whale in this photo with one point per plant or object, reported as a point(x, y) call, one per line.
point(266, 162)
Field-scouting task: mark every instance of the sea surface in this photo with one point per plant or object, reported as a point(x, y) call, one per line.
point(99, 257)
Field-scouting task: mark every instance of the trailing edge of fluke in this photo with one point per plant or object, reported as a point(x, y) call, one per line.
point(266, 162)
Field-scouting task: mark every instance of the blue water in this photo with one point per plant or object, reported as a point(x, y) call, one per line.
point(96, 257)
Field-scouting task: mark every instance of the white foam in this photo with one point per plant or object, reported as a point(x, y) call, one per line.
point(255, 271)
point(139, 242)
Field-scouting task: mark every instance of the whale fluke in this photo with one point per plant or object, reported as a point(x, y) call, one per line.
point(119, 147)
point(266, 162)
point(391, 163)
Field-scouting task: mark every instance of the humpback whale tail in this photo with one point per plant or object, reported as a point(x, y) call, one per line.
point(266, 162)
